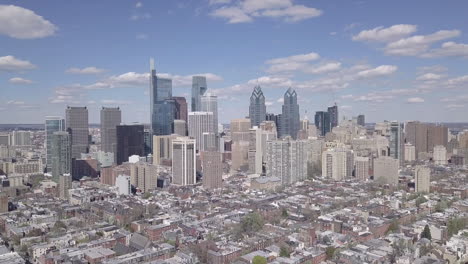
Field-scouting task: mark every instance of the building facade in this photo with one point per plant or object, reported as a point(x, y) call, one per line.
point(52, 124)
point(257, 107)
point(76, 121)
point(184, 161)
point(199, 88)
point(111, 117)
point(290, 115)
point(130, 141)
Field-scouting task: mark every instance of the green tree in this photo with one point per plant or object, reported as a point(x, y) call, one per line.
point(420, 201)
point(426, 233)
point(259, 260)
point(284, 252)
point(284, 213)
point(330, 252)
point(394, 227)
point(146, 195)
point(252, 223)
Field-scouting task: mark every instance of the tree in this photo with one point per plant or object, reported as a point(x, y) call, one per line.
point(420, 201)
point(252, 223)
point(426, 233)
point(284, 213)
point(330, 252)
point(284, 252)
point(259, 260)
point(146, 195)
point(394, 227)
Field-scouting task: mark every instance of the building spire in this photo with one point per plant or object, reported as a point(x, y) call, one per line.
point(151, 64)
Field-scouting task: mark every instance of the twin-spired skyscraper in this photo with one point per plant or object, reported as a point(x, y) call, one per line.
point(257, 108)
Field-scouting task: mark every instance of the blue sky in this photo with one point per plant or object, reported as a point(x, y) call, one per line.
point(393, 60)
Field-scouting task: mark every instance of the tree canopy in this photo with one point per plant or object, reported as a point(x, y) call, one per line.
point(259, 260)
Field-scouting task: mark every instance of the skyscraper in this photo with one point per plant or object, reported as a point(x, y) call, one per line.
point(184, 161)
point(162, 107)
point(130, 141)
point(181, 109)
point(396, 141)
point(386, 170)
point(333, 113)
point(199, 123)
point(198, 90)
point(111, 117)
point(361, 120)
point(322, 122)
point(180, 127)
point(21, 138)
point(162, 148)
point(52, 124)
point(440, 155)
point(240, 129)
point(77, 125)
point(287, 160)
point(337, 163)
point(209, 103)
point(362, 168)
point(290, 114)
point(60, 155)
point(257, 108)
point(212, 169)
point(144, 176)
point(422, 179)
point(65, 184)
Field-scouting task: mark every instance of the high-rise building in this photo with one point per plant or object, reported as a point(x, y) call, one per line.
point(60, 155)
point(184, 161)
point(5, 139)
point(361, 120)
point(212, 169)
point(240, 129)
point(111, 117)
point(209, 103)
point(52, 124)
point(162, 108)
point(181, 109)
point(337, 164)
point(287, 160)
point(440, 155)
point(199, 123)
point(240, 155)
point(259, 136)
point(199, 88)
point(362, 168)
point(290, 114)
point(148, 139)
point(180, 127)
point(209, 141)
point(162, 148)
point(333, 113)
point(144, 176)
point(257, 107)
point(422, 179)
point(437, 135)
point(322, 122)
point(410, 152)
point(123, 184)
point(130, 141)
point(386, 170)
point(21, 138)
point(425, 137)
point(397, 141)
point(65, 184)
point(277, 119)
point(3, 203)
point(76, 120)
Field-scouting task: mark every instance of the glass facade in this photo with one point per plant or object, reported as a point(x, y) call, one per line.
point(162, 106)
point(52, 124)
point(198, 90)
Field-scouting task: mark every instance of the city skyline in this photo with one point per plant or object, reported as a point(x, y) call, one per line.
point(366, 62)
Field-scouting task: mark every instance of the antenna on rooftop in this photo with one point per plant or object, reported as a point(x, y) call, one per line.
point(151, 63)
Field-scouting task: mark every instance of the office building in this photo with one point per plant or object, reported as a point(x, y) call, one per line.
point(162, 107)
point(21, 138)
point(240, 155)
point(52, 124)
point(257, 107)
point(333, 113)
point(199, 123)
point(209, 142)
point(65, 184)
point(337, 163)
point(162, 149)
point(361, 120)
point(143, 176)
point(212, 168)
point(3, 203)
point(362, 168)
point(111, 117)
point(184, 161)
point(410, 152)
point(180, 127)
point(287, 160)
point(440, 155)
point(148, 139)
point(61, 159)
point(277, 120)
point(422, 179)
point(181, 109)
point(209, 103)
point(396, 141)
point(386, 170)
point(240, 129)
point(199, 88)
point(290, 115)
point(5, 139)
point(322, 122)
point(84, 167)
point(425, 137)
point(123, 184)
point(76, 121)
point(130, 141)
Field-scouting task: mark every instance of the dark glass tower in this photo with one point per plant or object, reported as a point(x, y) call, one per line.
point(111, 117)
point(198, 90)
point(257, 108)
point(162, 106)
point(333, 113)
point(322, 122)
point(290, 115)
point(130, 141)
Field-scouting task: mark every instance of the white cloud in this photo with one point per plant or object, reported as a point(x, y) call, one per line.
point(382, 34)
point(22, 23)
point(141, 36)
point(416, 45)
point(415, 100)
point(429, 77)
point(245, 11)
point(140, 16)
point(295, 58)
point(462, 80)
point(87, 70)
point(115, 102)
point(269, 103)
point(433, 68)
point(218, 2)
point(454, 106)
point(324, 68)
point(10, 63)
point(14, 102)
point(138, 4)
point(234, 15)
point(280, 100)
point(448, 49)
point(271, 81)
point(19, 80)
point(379, 71)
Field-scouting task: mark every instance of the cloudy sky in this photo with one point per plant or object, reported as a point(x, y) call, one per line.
point(393, 60)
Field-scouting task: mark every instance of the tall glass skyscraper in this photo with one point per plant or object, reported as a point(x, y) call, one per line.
point(76, 120)
point(162, 106)
point(396, 141)
point(52, 124)
point(111, 117)
point(333, 113)
point(257, 108)
point(322, 122)
point(290, 114)
point(209, 103)
point(60, 154)
point(198, 90)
